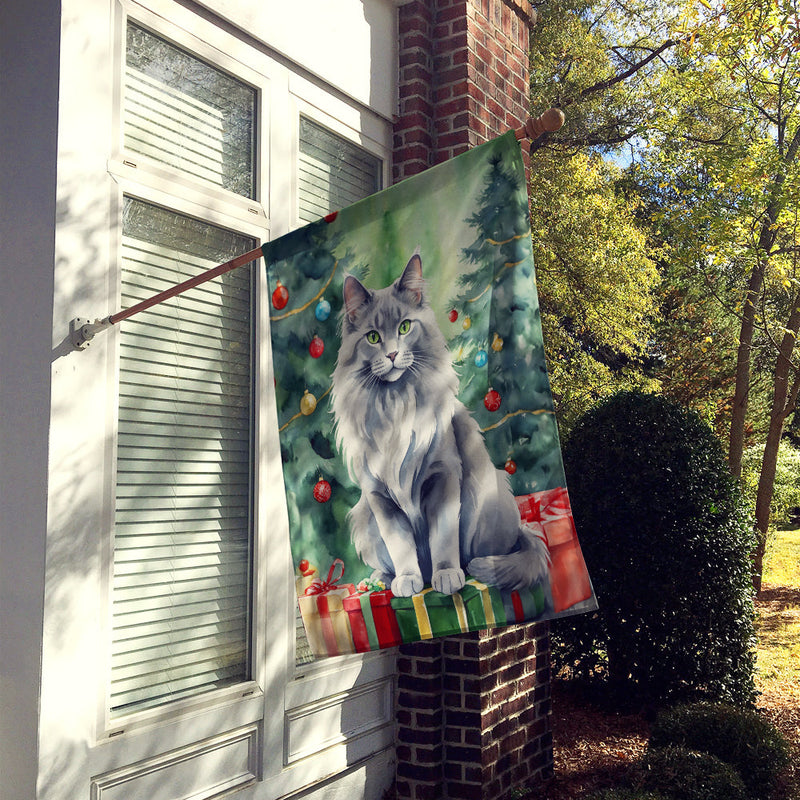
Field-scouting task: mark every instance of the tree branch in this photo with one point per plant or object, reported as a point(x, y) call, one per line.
point(601, 86)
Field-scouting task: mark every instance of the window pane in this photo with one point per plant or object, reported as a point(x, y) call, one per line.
point(333, 172)
point(185, 113)
point(182, 542)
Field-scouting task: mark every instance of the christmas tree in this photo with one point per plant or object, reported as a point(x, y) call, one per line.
point(305, 275)
point(495, 337)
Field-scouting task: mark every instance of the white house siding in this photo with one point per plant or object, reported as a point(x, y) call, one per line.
point(324, 731)
point(29, 55)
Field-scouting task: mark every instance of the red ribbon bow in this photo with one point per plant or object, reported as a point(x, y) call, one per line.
point(554, 502)
point(320, 587)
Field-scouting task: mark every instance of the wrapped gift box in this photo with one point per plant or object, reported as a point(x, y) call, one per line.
point(372, 619)
point(569, 578)
point(304, 578)
point(430, 613)
point(483, 605)
point(324, 618)
point(524, 605)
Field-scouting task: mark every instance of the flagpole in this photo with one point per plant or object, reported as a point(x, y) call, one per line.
point(82, 331)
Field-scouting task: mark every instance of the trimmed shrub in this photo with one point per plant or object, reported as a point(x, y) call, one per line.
point(683, 774)
point(743, 739)
point(667, 541)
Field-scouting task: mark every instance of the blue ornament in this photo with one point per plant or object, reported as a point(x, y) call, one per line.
point(323, 310)
point(481, 358)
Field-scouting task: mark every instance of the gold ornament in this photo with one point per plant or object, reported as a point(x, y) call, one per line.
point(466, 324)
point(307, 403)
point(497, 343)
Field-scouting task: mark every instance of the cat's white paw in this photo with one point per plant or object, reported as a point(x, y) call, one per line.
point(448, 581)
point(406, 585)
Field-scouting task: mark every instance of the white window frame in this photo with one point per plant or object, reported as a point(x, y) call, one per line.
point(282, 699)
point(137, 177)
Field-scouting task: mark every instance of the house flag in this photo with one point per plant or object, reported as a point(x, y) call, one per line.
point(424, 484)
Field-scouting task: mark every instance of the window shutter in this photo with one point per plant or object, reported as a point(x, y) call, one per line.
point(182, 543)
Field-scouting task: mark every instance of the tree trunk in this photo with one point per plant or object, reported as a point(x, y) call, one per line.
point(766, 240)
point(784, 398)
point(742, 388)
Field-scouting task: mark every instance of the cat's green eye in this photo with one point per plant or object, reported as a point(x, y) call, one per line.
point(373, 337)
point(405, 327)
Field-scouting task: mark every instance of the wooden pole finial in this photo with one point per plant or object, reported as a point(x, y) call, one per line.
point(534, 127)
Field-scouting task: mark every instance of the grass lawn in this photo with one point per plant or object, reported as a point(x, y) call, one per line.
point(778, 629)
point(779, 617)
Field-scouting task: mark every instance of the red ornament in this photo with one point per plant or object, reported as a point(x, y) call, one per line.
point(453, 315)
point(322, 491)
point(280, 297)
point(316, 347)
point(303, 565)
point(491, 400)
point(510, 466)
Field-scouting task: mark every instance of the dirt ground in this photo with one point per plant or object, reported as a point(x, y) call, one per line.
point(593, 747)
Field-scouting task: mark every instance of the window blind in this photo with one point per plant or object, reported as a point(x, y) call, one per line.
point(333, 173)
point(182, 541)
point(187, 114)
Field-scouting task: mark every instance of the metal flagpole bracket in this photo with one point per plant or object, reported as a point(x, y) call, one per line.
point(82, 330)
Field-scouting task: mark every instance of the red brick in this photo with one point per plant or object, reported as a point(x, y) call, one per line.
point(429, 719)
point(456, 74)
point(455, 12)
point(417, 103)
point(415, 40)
point(417, 73)
point(415, 88)
point(441, 62)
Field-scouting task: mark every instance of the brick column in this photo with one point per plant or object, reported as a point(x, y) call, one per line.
point(473, 711)
point(463, 77)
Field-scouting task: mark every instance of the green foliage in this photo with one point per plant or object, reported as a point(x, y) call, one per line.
point(589, 57)
point(786, 490)
point(683, 774)
point(595, 270)
point(596, 281)
point(741, 738)
point(667, 542)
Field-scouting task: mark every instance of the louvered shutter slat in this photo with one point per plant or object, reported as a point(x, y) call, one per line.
point(332, 172)
point(182, 546)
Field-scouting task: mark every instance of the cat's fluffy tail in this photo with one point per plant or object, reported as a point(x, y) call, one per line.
point(524, 567)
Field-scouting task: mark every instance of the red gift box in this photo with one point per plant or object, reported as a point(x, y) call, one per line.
point(372, 620)
point(569, 578)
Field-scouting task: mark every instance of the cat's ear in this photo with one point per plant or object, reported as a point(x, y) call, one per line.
point(355, 296)
point(411, 280)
